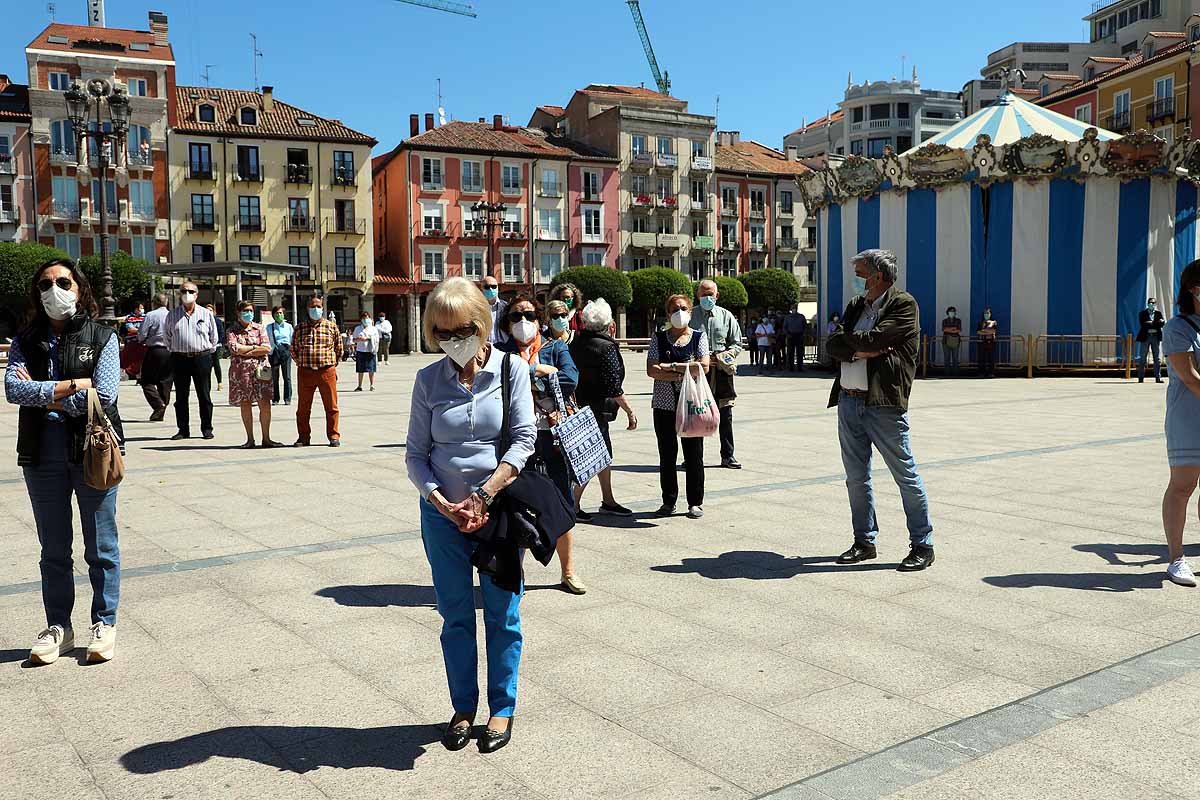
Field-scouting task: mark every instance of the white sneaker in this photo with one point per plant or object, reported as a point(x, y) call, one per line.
point(695, 512)
point(1180, 572)
point(52, 643)
point(104, 643)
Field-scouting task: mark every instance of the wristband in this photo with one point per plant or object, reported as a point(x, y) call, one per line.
point(484, 496)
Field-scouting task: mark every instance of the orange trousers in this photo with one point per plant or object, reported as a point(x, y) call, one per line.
point(323, 380)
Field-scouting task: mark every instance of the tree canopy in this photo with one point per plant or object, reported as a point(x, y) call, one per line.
point(771, 288)
point(597, 281)
point(653, 285)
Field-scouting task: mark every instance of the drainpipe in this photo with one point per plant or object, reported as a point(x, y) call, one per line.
point(320, 234)
point(413, 299)
point(225, 191)
point(532, 233)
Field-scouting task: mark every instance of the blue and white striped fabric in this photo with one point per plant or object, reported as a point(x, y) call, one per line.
point(1048, 257)
point(1010, 118)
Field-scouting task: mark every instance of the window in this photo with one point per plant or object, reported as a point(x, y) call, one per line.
point(513, 270)
point(248, 116)
point(206, 113)
point(1121, 108)
point(699, 268)
point(138, 139)
point(249, 252)
point(699, 193)
point(510, 179)
point(1166, 133)
point(593, 258)
point(141, 199)
point(640, 186)
point(1148, 52)
point(343, 263)
point(472, 176)
point(142, 247)
point(758, 202)
point(6, 198)
point(202, 211)
point(729, 197)
point(110, 197)
point(59, 81)
point(1164, 88)
point(249, 213)
point(1156, 8)
point(591, 224)
point(856, 114)
point(551, 265)
point(550, 222)
point(785, 265)
point(1122, 19)
point(136, 86)
point(757, 235)
point(639, 225)
point(66, 196)
point(431, 173)
point(639, 262)
point(666, 225)
point(68, 243)
point(666, 263)
point(200, 159)
point(298, 214)
point(728, 233)
point(202, 253)
point(432, 218)
point(512, 221)
point(343, 216)
point(785, 202)
point(902, 111)
point(93, 152)
point(298, 255)
point(637, 144)
point(666, 146)
point(880, 111)
point(1133, 14)
point(666, 188)
point(343, 168)
point(699, 227)
point(903, 144)
point(856, 147)
point(756, 263)
point(5, 152)
point(550, 182)
point(62, 138)
point(787, 232)
point(875, 147)
point(698, 148)
point(1090, 73)
point(591, 185)
point(1045, 90)
point(248, 167)
point(1194, 33)
point(473, 264)
point(1084, 113)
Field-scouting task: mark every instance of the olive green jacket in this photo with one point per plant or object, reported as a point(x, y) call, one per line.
point(890, 376)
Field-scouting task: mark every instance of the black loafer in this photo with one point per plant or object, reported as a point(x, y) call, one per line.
point(918, 558)
point(665, 510)
point(858, 552)
point(731, 463)
point(301, 443)
point(206, 435)
point(180, 435)
point(490, 741)
point(456, 738)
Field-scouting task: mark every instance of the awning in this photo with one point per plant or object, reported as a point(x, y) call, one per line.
point(254, 270)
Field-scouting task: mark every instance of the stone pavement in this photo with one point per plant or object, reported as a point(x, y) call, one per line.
point(278, 635)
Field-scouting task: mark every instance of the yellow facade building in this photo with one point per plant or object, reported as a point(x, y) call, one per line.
point(256, 179)
point(1153, 95)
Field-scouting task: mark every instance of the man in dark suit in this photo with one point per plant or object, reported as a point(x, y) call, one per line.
point(1150, 338)
point(876, 346)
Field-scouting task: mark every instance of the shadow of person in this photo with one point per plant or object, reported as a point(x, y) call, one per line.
point(761, 565)
point(394, 747)
point(404, 595)
point(1087, 581)
point(1149, 553)
point(12, 656)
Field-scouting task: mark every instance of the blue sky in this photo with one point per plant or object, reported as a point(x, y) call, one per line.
point(371, 63)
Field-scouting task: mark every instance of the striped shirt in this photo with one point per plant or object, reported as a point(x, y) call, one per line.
point(317, 345)
point(153, 331)
point(191, 334)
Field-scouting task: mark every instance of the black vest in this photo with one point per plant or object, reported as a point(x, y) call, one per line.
point(79, 350)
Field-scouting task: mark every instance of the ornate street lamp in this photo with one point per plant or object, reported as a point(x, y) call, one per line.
point(85, 107)
point(487, 216)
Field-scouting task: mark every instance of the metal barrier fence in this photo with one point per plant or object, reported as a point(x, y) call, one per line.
point(1084, 352)
point(1012, 353)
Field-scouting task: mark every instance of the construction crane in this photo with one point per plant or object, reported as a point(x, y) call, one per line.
point(444, 5)
point(661, 78)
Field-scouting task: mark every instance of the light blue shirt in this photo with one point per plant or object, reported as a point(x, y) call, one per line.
point(280, 334)
point(454, 431)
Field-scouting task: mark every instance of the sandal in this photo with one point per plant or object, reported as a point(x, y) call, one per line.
point(248, 445)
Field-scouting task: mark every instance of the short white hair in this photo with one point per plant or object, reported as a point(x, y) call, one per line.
point(597, 315)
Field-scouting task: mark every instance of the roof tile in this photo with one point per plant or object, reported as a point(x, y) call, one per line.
point(86, 40)
point(482, 137)
point(1137, 60)
point(281, 123)
point(751, 156)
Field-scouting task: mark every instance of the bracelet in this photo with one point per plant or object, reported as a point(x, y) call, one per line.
point(484, 496)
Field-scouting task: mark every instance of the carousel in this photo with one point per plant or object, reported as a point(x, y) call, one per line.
point(1061, 229)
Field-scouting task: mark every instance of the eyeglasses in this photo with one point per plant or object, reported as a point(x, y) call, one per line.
point(562, 315)
point(517, 316)
point(63, 283)
point(465, 332)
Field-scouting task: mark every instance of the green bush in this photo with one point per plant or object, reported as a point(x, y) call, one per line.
point(130, 278)
point(771, 289)
point(595, 281)
point(731, 294)
point(18, 262)
point(653, 285)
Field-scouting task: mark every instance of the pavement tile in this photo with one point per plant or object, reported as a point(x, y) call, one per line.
point(29, 771)
point(244, 650)
point(975, 695)
point(633, 628)
point(864, 717)
point(885, 664)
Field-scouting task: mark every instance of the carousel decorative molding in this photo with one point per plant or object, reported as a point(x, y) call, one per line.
point(1036, 154)
point(985, 161)
point(859, 177)
point(1135, 156)
point(937, 165)
point(892, 168)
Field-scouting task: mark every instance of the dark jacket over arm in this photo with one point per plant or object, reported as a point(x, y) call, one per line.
point(890, 377)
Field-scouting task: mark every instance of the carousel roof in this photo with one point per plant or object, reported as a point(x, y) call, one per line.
point(1011, 118)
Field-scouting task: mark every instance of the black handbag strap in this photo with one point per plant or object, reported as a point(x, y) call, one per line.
point(505, 397)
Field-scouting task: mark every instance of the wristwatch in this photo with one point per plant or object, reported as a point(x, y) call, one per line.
point(484, 496)
point(72, 388)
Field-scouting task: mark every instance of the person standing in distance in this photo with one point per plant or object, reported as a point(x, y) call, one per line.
point(491, 292)
point(155, 377)
point(877, 348)
point(725, 343)
point(317, 349)
point(366, 346)
point(279, 336)
point(951, 341)
point(1150, 336)
point(384, 326)
point(191, 332)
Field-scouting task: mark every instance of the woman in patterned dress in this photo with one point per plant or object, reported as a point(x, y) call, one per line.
point(248, 348)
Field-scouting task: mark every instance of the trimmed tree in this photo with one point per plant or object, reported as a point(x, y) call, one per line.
point(596, 281)
point(130, 278)
point(771, 288)
point(731, 294)
point(18, 262)
point(651, 288)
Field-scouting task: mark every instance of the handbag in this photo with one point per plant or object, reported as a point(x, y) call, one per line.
point(696, 412)
point(263, 373)
point(579, 436)
point(610, 410)
point(103, 466)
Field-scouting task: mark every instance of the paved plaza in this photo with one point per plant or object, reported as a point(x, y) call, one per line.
point(277, 636)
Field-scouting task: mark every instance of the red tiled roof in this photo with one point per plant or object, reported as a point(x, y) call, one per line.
point(1059, 76)
point(554, 111)
point(751, 156)
point(482, 137)
point(85, 40)
point(826, 120)
point(14, 102)
point(1168, 34)
point(1107, 59)
point(282, 122)
point(627, 91)
point(1138, 60)
point(393, 280)
point(1027, 92)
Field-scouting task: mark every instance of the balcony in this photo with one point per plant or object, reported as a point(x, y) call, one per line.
point(903, 124)
point(855, 127)
point(8, 216)
point(643, 202)
point(928, 123)
point(641, 161)
point(142, 213)
point(249, 174)
point(1162, 108)
point(703, 243)
point(790, 243)
point(551, 235)
point(200, 170)
point(787, 211)
point(590, 196)
point(510, 236)
point(603, 238)
point(349, 226)
point(432, 186)
point(299, 223)
point(699, 207)
point(435, 232)
point(757, 247)
point(758, 212)
point(672, 241)
point(201, 222)
point(644, 241)
point(300, 174)
point(249, 223)
point(879, 124)
point(350, 273)
point(8, 166)
point(729, 244)
point(61, 156)
point(467, 188)
point(667, 203)
point(550, 190)
point(1118, 123)
point(342, 177)
point(729, 211)
point(473, 233)
point(666, 160)
point(702, 164)
point(140, 160)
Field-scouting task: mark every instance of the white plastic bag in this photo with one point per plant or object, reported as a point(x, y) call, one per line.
point(696, 413)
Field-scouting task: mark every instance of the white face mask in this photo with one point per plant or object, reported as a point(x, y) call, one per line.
point(188, 298)
point(524, 331)
point(461, 350)
point(59, 303)
point(680, 318)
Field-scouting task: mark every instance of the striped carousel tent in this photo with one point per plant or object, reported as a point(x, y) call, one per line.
point(1011, 118)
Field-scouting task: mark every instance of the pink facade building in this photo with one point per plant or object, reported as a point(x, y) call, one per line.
point(17, 205)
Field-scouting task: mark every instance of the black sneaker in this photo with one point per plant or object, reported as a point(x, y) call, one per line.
point(616, 509)
point(582, 516)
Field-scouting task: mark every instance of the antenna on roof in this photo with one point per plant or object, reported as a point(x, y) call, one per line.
point(903, 61)
point(717, 112)
point(50, 11)
point(204, 75)
point(441, 109)
point(257, 54)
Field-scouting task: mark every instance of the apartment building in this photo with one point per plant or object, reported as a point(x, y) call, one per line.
point(1060, 62)
point(17, 209)
point(761, 219)
point(1124, 24)
point(819, 139)
point(667, 193)
point(135, 195)
point(253, 178)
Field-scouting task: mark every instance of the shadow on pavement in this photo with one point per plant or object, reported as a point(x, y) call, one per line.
point(394, 747)
point(1089, 581)
point(1150, 553)
point(212, 447)
point(602, 520)
point(762, 565)
point(405, 595)
point(12, 656)
point(401, 444)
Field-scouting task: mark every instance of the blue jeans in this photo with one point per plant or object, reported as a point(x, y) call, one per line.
point(1153, 344)
point(449, 554)
point(859, 427)
point(952, 360)
point(50, 485)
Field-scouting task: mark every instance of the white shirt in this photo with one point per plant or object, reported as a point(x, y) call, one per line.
point(384, 326)
point(764, 331)
point(854, 373)
point(368, 345)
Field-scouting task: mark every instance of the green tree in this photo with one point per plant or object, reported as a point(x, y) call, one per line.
point(771, 288)
point(18, 262)
point(731, 294)
point(596, 281)
point(653, 285)
point(130, 279)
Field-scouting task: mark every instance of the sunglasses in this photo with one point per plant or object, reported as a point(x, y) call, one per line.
point(517, 316)
point(63, 283)
point(563, 315)
point(465, 332)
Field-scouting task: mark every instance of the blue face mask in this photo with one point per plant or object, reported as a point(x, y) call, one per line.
point(859, 285)
point(247, 316)
point(490, 293)
point(708, 302)
point(315, 313)
point(559, 324)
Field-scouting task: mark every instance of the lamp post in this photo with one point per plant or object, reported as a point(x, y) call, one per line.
point(488, 216)
point(85, 107)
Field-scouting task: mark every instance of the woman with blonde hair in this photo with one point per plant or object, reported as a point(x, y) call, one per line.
point(452, 454)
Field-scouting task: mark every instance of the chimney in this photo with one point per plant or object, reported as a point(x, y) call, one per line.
point(483, 119)
point(498, 122)
point(158, 27)
point(728, 138)
point(429, 122)
point(793, 154)
point(268, 99)
point(414, 124)
point(4, 82)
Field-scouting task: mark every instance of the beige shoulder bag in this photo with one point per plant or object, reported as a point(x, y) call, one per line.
point(103, 466)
